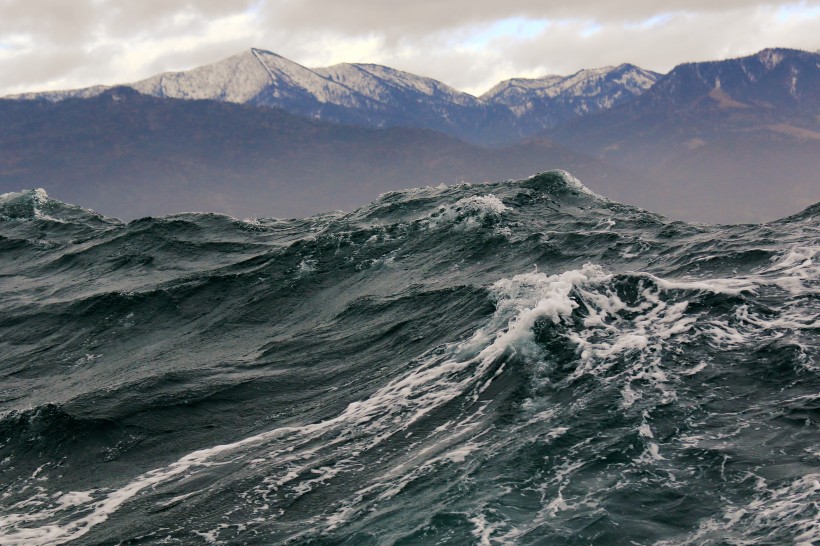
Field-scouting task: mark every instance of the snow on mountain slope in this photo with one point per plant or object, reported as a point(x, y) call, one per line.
point(585, 91)
point(289, 79)
point(518, 91)
point(385, 84)
point(408, 100)
point(56, 96)
point(253, 77)
point(236, 79)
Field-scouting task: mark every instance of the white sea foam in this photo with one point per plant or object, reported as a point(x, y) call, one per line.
point(467, 213)
point(572, 182)
point(437, 379)
point(484, 530)
point(38, 198)
point(306, 267)
point(606, 335)
point(39, 195)
point(578, 185)
point(789, 513)
point(611, 329)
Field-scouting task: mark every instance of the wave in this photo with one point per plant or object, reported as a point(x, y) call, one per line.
point(507, 363)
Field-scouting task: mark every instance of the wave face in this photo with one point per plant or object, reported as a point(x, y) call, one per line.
point(513, 363)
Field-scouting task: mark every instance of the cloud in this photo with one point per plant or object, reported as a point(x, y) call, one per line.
point(425, 16)
point(49, 44)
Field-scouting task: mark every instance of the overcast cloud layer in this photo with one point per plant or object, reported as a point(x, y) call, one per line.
point(471, 45)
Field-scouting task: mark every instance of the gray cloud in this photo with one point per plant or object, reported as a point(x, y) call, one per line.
point(468, 44)
point(205, 54)
point(152, 17)
point(50, 21)
point(423, 16)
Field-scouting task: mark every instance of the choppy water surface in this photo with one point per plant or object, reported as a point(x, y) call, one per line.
point(511, 363)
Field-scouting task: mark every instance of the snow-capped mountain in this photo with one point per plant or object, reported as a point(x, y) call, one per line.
point(378, 96)
point(370, 95)
point(388, 85)
point(418, 101)
point(237, 79)
point(262, 78)
point(552, 100)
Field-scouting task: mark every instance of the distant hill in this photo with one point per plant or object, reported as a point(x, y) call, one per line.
point(128, 155)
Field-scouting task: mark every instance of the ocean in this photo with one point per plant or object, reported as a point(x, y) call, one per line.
point(522, 362)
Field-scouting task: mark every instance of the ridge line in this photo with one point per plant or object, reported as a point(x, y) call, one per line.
point(264, 66)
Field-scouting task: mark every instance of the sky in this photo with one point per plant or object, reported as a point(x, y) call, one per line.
point(470, 45)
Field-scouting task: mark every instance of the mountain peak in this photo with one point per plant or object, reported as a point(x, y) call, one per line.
point(566, 97)
point(255, 50)
point(238, 79)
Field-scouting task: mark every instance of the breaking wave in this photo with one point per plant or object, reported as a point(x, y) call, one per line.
point(512, 363)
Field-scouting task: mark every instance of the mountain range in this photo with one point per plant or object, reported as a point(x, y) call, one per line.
point(377, 96)
point(257, 134)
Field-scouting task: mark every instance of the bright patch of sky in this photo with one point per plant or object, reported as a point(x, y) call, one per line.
point(590, 29)
point(518, 28)
point(803, 10)
point(654, 21)
point(14, 42)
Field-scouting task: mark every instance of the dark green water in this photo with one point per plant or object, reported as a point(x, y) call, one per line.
point(511, 363)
